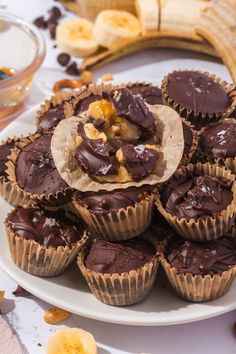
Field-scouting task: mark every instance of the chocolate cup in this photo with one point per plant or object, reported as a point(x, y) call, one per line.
point(120, 289)
point(198, 288)
point(228, 162)
point(7, 191)
point(63, 98)
point(118, 225)
point(206, 228)
point(201, 119)
point(188, 156)
point(38, 259)
point(21, 197)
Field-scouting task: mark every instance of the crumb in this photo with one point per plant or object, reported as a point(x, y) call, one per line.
point(39, 345)
point(20, 292)
point(54, 46)
point(107, 77)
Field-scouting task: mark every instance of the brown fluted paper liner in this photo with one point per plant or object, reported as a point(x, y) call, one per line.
point(121, 224)
point(91, 8)
point(200, 119)
point(169, 132)
point(21, 197)
point(6, 190)
point(120, 290)
point(199, 288)
point(206, 228)
point(186, 158)
point(58, 99)
point(40, 260)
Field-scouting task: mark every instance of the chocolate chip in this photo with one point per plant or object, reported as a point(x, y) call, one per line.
point(55, 12)
point(40, 22)
point(20, 292)
point(63, 59)
point(52, 30)
point(73, 69)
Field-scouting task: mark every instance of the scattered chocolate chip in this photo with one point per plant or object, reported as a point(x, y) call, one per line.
point(73, 69)
point(54, 46)
point(63, 59)
point(20, 292)
point(55, 12)
point(52, 30)
point(40, 22)
point(39, 345)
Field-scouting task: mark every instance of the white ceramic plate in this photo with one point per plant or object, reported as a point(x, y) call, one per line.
point(69, 291)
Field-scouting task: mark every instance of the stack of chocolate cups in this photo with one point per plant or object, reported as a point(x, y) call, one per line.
point(199, 201)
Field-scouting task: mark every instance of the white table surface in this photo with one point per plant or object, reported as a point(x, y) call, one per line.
point(213, 336)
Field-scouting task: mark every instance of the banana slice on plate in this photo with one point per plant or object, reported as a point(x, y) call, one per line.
point(113, 28)
point(148, 14)
point(76, 37)
point(72, 340)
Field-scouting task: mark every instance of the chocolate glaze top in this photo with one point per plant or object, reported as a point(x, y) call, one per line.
point(107, 257)
point(188, 138)
point(35, 168)
point(194, 196)
point(212, 257)
point(133, 108)
point(105, 202)
point(51, 118)
point(150, 94)
point(197, 92)
point(218, 140)
point(94, 159)
point(44, 227)
point(83, 105)
point(5, 150)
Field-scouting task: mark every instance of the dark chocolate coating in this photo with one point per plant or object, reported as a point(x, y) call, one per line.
point(83, 105)
point(150, 94)
point(188, 138)
point(94, 159)
point(212, 257)
point(35, 168)
point(107, 257)
point(195, 197)
point(218, 140)
point(5, 150)
point(45, 227)
point(52, 117)
point(197, 92)
point(139, 160)
point(105, 202)
point(134, 109)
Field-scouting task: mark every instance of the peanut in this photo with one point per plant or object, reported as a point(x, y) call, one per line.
point(56, 315)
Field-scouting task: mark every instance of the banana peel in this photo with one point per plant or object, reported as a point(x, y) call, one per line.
point(104, 56)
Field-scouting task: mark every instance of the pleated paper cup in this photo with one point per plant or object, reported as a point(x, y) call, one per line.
point(62, 98)
point(38, 259)
point(91, 8)
point(205, 228)
point(188, 156)
point(199, 288)
point(198, 119)
point(21, 197)
point(120, 289)
point(118, 225)
point(6, 190)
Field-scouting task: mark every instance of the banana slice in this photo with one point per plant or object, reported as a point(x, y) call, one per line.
point(113, 28)
point(75, 37)
point(72, 340)
point(148, 14)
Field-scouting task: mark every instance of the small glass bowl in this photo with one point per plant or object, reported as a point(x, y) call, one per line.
point(22, 52)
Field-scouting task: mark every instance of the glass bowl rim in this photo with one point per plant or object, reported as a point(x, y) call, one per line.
point(39, 55)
